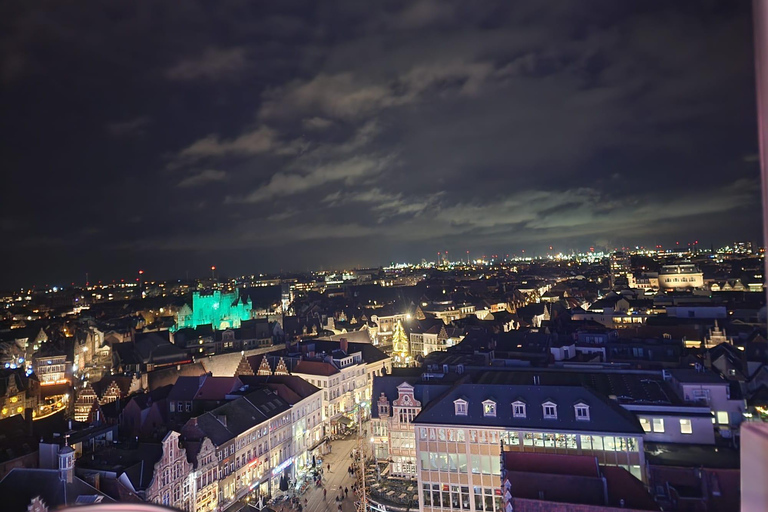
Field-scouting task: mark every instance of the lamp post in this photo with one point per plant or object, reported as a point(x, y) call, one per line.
point(362, 504)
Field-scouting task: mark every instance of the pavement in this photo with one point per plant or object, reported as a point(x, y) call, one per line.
point(334, 481)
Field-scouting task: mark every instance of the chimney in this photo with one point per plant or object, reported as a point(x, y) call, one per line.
point(344, 345)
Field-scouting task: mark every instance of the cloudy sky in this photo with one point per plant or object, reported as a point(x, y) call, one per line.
point(259, 136)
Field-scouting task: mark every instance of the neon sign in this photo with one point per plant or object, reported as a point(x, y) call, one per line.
point(282, 466)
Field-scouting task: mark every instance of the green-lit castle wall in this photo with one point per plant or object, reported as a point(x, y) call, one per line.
point(221, 310)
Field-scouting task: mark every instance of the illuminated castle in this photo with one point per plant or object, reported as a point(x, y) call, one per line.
point(220, 310)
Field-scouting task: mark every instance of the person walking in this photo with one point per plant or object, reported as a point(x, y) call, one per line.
point(346, 492)
point(329, 468)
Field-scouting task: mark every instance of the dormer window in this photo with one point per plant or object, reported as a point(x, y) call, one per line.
point(518, 409)
point(550, 410)
point(489, 408)
point(460, 407)
point(582, 411)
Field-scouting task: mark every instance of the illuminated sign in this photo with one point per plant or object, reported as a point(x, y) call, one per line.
point(52, 382)
point(282, 466)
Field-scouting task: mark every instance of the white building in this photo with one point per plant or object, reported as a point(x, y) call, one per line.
point(682, 275)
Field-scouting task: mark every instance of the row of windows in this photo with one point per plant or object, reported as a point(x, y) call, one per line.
point(457, 497)
point(659, 425)
point(457, 463)
point(539, 439)
point(520, 409)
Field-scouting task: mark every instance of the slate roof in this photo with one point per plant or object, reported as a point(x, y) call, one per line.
point(185, 388)
point(371, 354)
point(166, 376)
point(222, 364)
point(298, 387)
point(633, 387)
point(21, 485)
point(216, 388)
point(241, 414)
point(352, 336)
point(315, 368)
point(605, 416)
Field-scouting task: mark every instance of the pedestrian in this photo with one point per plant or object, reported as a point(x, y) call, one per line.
point(329, 468)
point(346, 492)
point(325, 493)
point(339, 507)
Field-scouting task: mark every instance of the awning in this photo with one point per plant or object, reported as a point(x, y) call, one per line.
point(317, 444)
point(345, 421)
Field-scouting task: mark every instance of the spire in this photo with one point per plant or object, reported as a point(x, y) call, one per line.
point(244, 367)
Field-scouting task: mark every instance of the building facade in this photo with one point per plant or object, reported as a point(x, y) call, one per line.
point(219, 309)
point(394, 437)
point(172, 482)
point(682, 275)
point(459, 438)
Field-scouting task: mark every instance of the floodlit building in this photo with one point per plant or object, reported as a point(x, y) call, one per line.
point(682, 275)
point(219, 309)
point(399, 400)
point(459, 438)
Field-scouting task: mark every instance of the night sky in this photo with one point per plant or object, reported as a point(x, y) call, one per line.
point(266, 135)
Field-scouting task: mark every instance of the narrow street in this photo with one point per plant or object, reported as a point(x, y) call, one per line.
point(334, 482)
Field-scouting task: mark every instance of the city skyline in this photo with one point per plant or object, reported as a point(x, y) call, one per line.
point(438, 260)
point(300, 136)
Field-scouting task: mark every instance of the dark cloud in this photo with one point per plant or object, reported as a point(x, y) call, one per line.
point(268, 135)
point(202, 178)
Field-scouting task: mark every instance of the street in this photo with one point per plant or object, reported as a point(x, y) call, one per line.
point(334, 482)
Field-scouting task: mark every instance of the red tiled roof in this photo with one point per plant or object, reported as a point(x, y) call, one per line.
point(315, 368)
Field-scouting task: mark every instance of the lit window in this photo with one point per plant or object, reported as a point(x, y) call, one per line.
point(550, 410)
point(518, 409)
point(460, 407)
point(658, 424)
point(685, 426)
point(646, 424)
point(489, 408)
point(582, 412)
point(722, 417)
